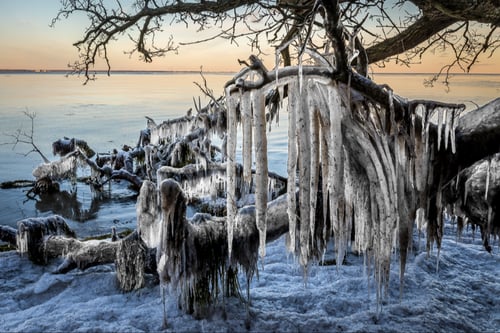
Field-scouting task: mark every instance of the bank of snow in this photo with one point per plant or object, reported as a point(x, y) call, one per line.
point(464, 296)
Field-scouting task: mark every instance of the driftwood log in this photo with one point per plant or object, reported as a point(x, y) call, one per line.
point(45, 238)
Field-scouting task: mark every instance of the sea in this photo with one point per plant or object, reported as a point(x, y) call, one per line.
point(110, 112)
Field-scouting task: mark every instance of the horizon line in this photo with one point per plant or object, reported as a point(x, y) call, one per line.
point(118, 71)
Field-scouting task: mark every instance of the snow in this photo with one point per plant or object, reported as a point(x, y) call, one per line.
point(462, 297)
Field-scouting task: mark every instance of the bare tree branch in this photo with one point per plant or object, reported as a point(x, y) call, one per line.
point(28, 138)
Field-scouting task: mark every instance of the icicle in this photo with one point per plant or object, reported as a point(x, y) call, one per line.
point(397, 155)
point(426, 137)
point(466, 190)
point(246, 118)
point(420, 111)
point(231, 169)
point(454, 124)
point(314, 146)
point(448, 118)
point(402, 154)
point(490, 218)
point(66, 167)
point(292, 161)
point(488, 166)
point(304, 144)
point(261, 172)
point(336, 164)
point(392, 113)
point(277, 65)
point(439, 126)
point(324, 114)
point(281, 94)
point(412, 129)
point(301, 76)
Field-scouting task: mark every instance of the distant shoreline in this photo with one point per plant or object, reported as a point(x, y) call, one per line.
point(103, 72)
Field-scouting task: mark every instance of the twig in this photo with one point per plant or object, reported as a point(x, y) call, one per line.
point(27, 138)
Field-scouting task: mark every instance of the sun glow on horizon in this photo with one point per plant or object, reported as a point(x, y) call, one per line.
point(30, 44)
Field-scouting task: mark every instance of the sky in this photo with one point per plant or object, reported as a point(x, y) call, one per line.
point(28, 42)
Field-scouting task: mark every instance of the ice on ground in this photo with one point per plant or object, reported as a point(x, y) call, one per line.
point(464, 296)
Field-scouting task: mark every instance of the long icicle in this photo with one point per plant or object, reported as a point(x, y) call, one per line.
point(321, 92)
point(231, 169)
point(448, 118)
point(292, 162)
point(261, 172)
point(315, 146)
point(454, 124)
point(439, 126)
point(336, 178)
point(246, 113)
point(304, 144)
point(487, 185)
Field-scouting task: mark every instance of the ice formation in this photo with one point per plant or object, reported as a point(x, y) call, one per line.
point(292, 163)
point(261, 169)
point(148, 214)
point(64, 168)
point(231, 169)
point(373, 171)
point(31, 233)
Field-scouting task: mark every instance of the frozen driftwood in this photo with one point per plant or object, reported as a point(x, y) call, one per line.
point(133, 260)
point(50, 237)
point(192, 256)
point(32, 234)
point(108, 172)
point(475, 198)
point(8, 234)
point(65, 146)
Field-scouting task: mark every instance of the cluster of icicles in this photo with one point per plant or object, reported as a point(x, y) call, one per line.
point(371, 171)
point(66, 167)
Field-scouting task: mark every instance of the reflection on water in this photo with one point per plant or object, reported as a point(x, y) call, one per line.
point(87, 212)
point(66, 204)
point(70, 204)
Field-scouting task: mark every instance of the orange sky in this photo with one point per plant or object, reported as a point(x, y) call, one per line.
point(29, 43)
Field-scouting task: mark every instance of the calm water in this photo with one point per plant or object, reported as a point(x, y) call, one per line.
point(110, 112)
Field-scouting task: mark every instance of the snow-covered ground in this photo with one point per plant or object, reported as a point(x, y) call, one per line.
point(464, 296)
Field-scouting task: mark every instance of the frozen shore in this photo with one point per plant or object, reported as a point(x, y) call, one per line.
point(464, 296)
